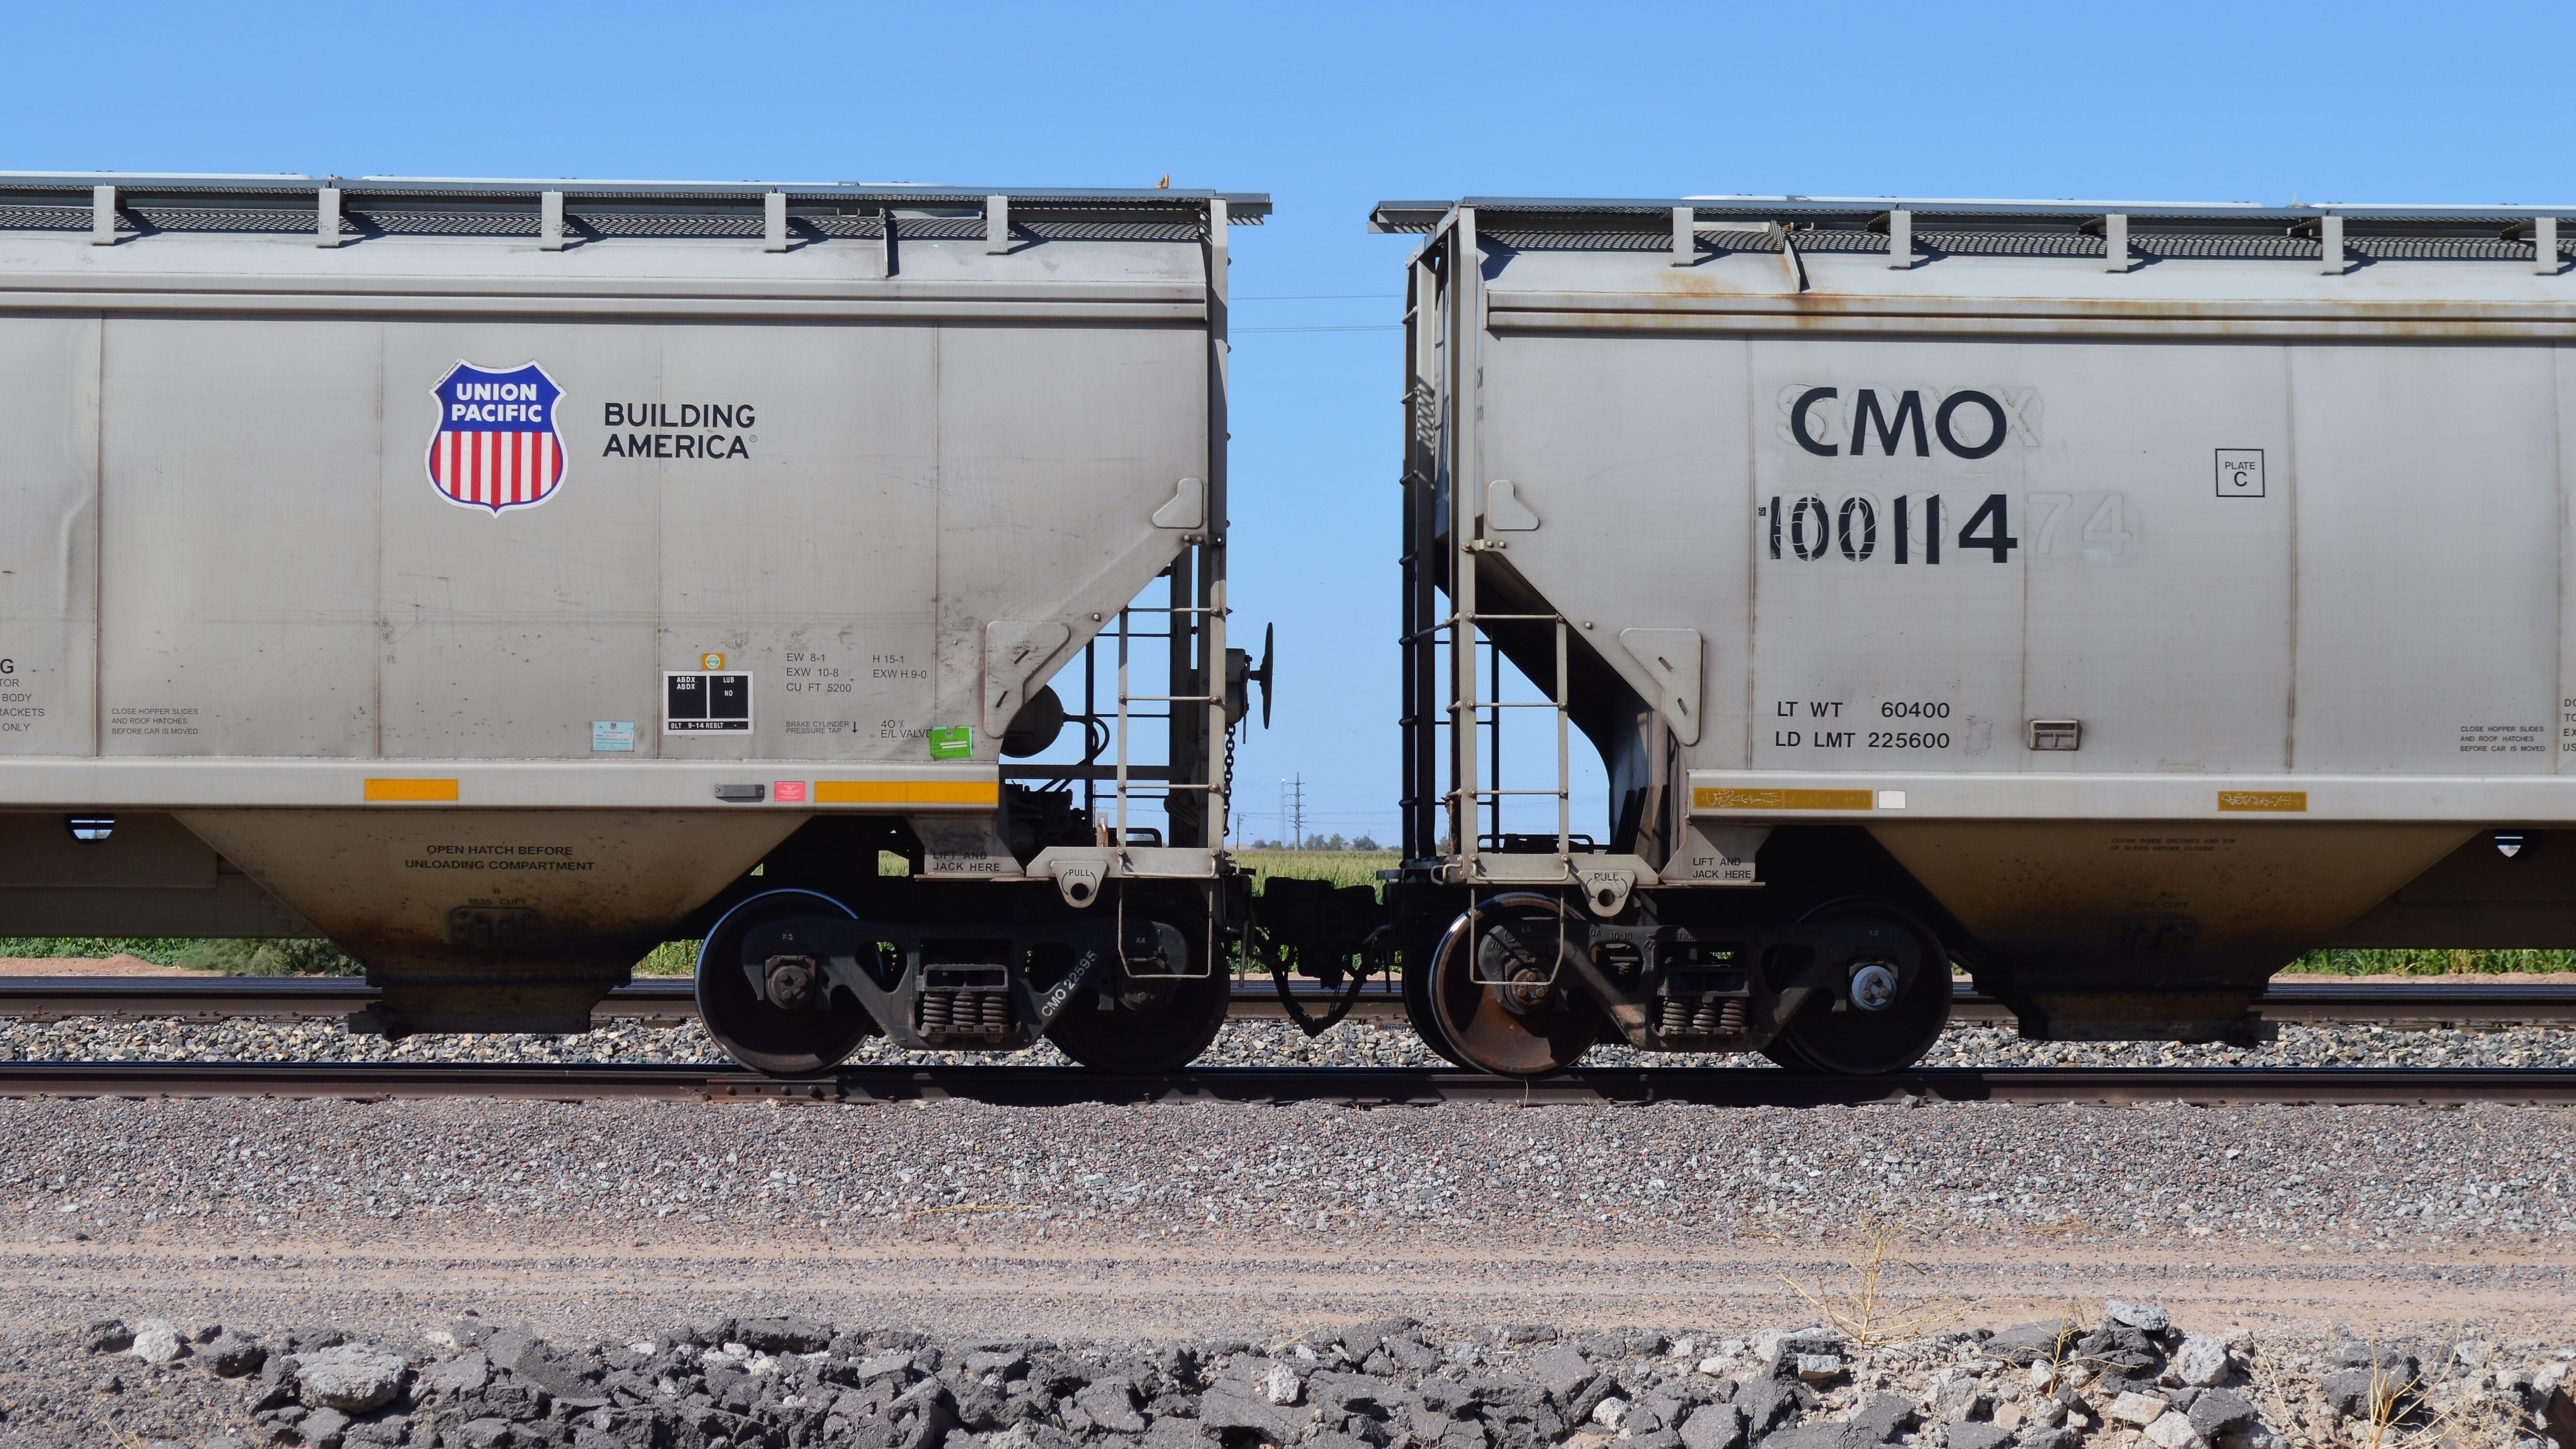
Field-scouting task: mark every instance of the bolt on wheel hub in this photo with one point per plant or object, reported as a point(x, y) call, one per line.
point(1527, 990)
point(790, 982)
point(1873, 987)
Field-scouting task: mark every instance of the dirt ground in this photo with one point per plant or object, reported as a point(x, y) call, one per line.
point(986, 1281)
point(118, 965)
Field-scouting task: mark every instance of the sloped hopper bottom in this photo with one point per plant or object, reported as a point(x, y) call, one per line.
point(2154, 930)
point(492, 920)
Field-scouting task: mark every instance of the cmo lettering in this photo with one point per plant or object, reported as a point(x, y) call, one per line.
point(1969, 423)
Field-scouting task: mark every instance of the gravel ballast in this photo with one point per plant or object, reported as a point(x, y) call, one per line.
point(2118, 1375)
point(1955, 1171)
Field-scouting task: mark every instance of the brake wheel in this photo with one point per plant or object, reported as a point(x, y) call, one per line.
point(1503, 995)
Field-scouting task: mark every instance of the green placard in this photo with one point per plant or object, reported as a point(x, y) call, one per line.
point(951, 742)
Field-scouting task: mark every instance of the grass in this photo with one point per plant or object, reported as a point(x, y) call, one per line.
point(1341, 867)
point(2432, 963)
point(160, 951)
point(671, 958)
point(221, 956)
point(1869, 1311)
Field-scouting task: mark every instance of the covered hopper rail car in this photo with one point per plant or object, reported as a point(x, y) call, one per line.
point(2116, 600)
point(500, 578)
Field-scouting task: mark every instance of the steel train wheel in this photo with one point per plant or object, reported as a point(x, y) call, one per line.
point(761, 1036)
point(1491, 994)
point(1140, 1026)
point(1784, 1053)
point(1861, 1042)
point(1416, 979)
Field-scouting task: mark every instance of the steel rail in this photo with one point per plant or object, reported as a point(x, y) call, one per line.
point(1348, 1086)
point(2423, 1002)
point(2407, 1001)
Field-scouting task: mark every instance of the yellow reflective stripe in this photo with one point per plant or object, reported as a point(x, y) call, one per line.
point(1781, 800)
point(2275, 802)
point(411, 790)
point(907, 792)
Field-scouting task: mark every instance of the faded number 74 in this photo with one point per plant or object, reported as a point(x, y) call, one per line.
point(2108, 532)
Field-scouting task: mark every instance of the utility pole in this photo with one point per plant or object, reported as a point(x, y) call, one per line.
point(1297, 812)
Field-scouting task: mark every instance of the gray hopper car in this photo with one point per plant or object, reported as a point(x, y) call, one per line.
point(2118, 599)
point(494, 576)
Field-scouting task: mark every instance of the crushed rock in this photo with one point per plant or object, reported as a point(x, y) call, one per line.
point(777, 1381)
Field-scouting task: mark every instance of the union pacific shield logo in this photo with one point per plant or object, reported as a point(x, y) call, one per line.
point(496, 445)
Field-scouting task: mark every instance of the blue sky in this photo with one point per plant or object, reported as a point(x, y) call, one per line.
point(1330, 107)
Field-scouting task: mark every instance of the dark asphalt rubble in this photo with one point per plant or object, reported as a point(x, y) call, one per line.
point(2128, 1380)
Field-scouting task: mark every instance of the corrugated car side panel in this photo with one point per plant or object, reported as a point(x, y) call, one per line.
point(2158, 613)
point(2428, 514)
point(2563, 375)
point(813, 563)
point(238, 536)
point(1841, 627)
point(1629, 453)
point(1057, 446)
point(507, 634)
point(49, 535)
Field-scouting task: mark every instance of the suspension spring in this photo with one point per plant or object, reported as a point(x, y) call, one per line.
point(1709, 1016)
point(953, 1012)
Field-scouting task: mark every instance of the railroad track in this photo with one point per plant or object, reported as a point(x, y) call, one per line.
point(2413, 1001)
point(1351, 1086)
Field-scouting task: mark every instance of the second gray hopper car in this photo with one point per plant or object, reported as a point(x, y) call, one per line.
point(2121, 599)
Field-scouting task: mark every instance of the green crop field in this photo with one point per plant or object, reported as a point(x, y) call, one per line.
point(1341, 867)
point(225, 957)
point(2434, 963)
